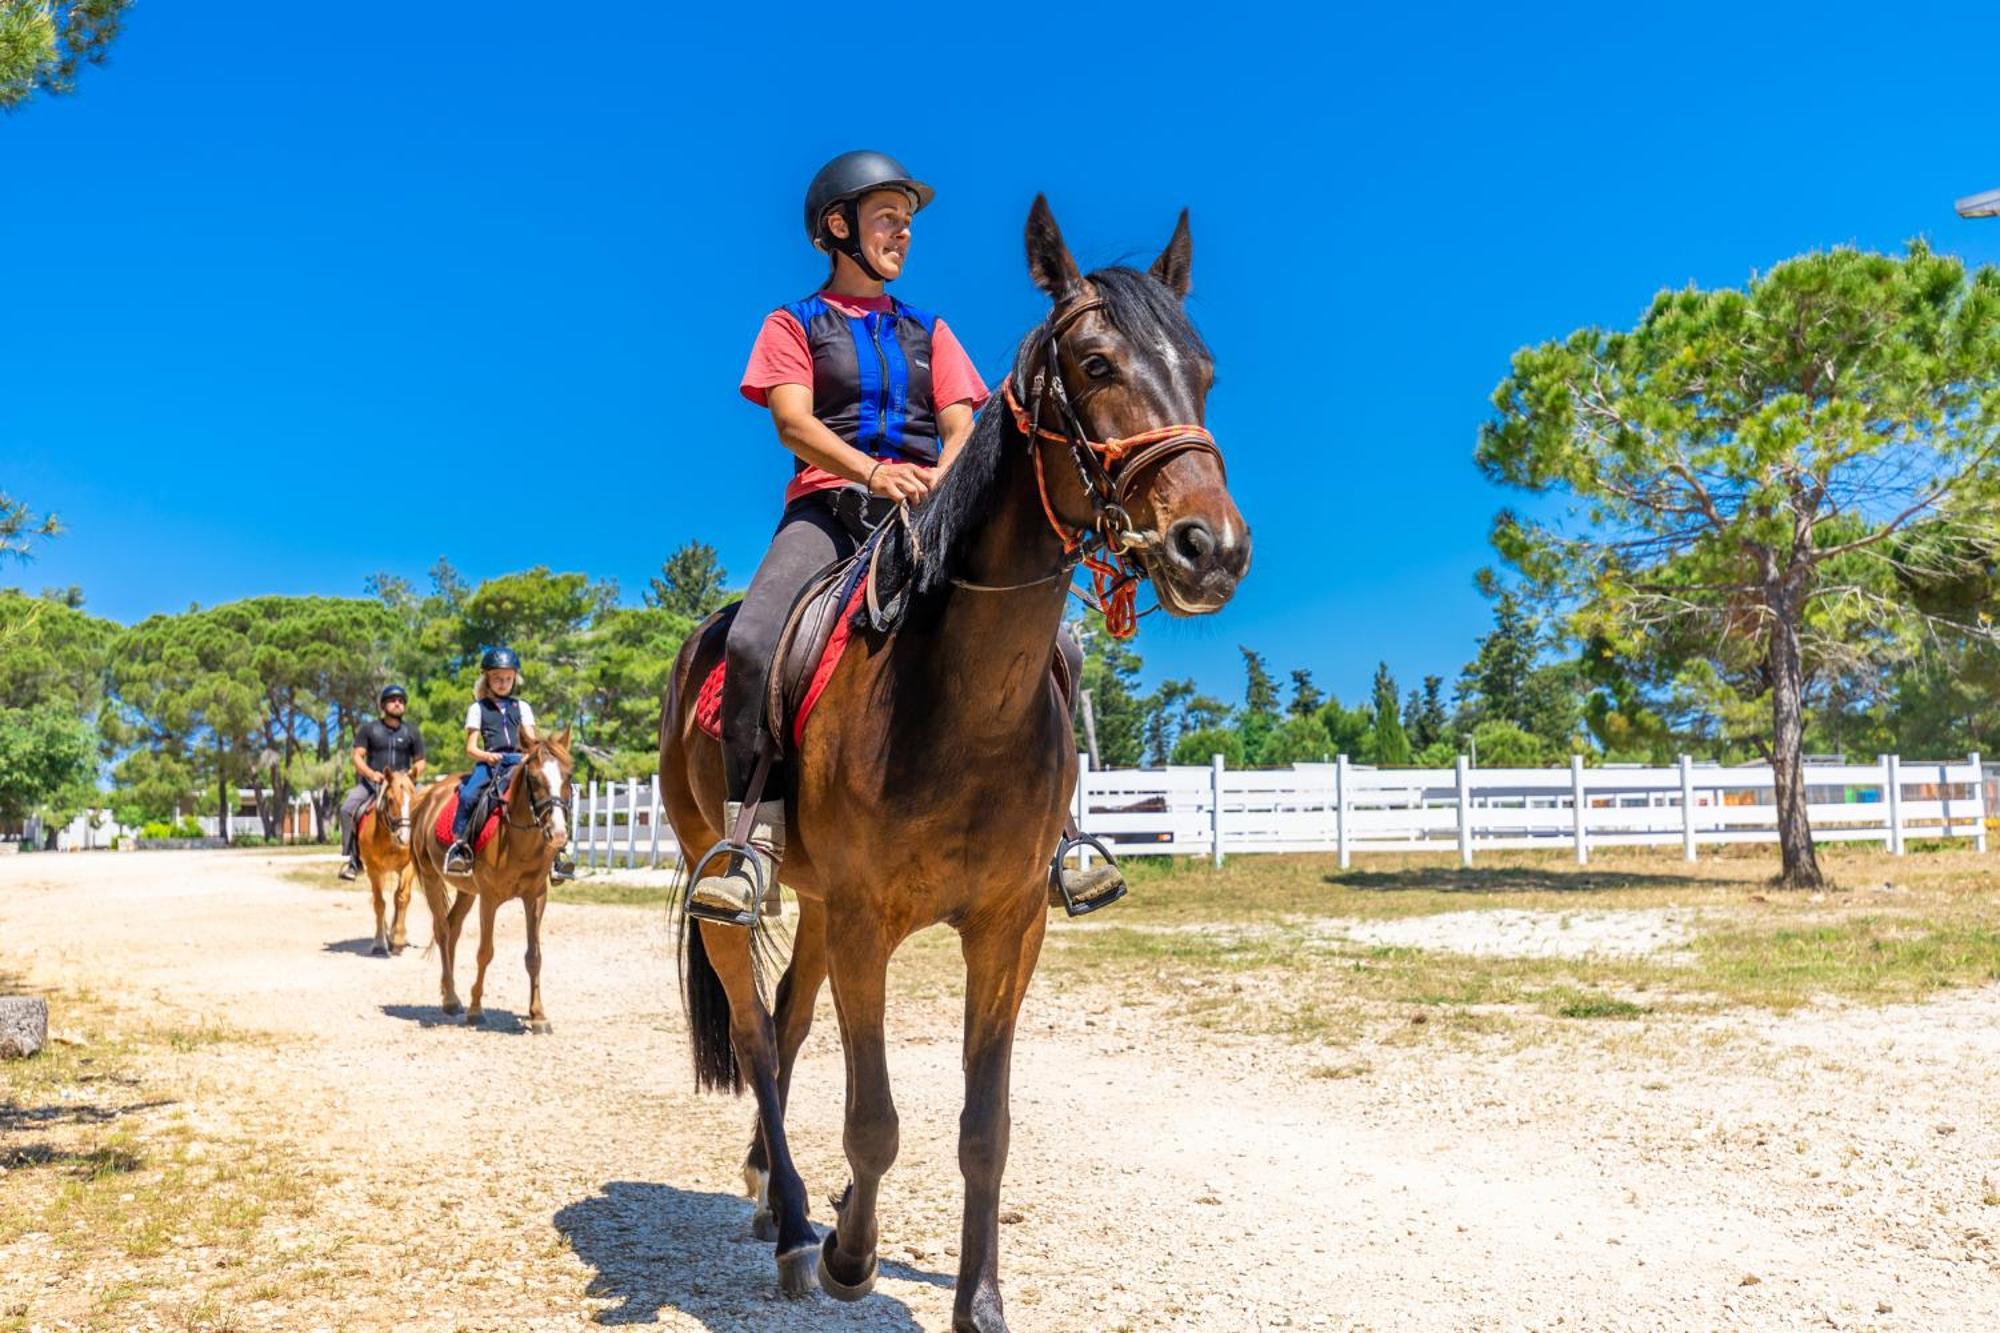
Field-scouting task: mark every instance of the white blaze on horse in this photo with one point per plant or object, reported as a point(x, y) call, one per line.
point(530, 825)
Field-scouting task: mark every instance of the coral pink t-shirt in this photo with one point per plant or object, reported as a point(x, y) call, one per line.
point(781, 355)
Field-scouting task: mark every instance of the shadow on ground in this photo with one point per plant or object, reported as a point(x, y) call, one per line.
point(434, 1016)
point(656, 1247)
point(1510, 879)
point(15, 1118)
point(363, 946)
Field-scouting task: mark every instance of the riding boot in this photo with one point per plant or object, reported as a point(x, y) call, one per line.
point(458, 858)
point(352, 870)
point(738, 874)
point(563, 869)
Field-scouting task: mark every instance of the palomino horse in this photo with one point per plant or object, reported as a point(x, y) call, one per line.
point(534, 826)
point(933, 782)
point(384, 838)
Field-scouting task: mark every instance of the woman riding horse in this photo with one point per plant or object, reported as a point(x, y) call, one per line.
point(940, 761)
point(875, 398)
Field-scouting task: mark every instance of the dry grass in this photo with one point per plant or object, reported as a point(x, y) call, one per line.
point(109, 1181)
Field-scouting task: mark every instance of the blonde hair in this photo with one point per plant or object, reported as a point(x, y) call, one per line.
point(482, 692)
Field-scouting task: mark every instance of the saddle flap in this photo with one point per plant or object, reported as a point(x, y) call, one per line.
point(801, 644)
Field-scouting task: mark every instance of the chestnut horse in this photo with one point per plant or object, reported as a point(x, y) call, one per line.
point(932, 784)
point(383, 834)
point(534, 826)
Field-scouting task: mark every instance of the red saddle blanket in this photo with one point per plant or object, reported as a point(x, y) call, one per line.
point(708, 700)
point(449, 812)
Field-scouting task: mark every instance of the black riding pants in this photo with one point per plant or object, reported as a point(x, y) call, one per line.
point(810, 539)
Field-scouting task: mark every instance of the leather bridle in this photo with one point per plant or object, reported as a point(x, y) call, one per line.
point(1111, 547)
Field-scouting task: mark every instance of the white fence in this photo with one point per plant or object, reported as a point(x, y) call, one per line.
point(1348, 809)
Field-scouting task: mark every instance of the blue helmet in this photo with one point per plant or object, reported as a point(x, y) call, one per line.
point(500, 659)
point(392, 692)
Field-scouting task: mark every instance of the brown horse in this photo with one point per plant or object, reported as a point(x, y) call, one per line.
point(933, 782)
point(383, 835)
point(534, 826)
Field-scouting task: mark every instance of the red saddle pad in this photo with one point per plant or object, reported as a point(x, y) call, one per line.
point(450, 812)
point(708, 701)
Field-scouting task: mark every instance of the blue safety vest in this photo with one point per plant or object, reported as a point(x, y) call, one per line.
point(500, 725)
point(872, 377)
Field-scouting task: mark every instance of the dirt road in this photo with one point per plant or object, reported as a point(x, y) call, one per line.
point(1830, 1169)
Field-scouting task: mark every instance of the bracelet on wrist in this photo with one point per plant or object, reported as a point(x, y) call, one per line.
point(870, 483)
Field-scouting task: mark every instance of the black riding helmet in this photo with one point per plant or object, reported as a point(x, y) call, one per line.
point(500, 659)
point(841, 183)
point(392, 692)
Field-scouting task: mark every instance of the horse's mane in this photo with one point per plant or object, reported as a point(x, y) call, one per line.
point(1139, 306)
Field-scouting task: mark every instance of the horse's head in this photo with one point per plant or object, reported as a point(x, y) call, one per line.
point(544, 775)
point(1116, 386)
point(397, 798)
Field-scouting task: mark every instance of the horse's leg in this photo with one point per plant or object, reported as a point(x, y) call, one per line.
point(399, 938)
point(798, 992)
point(858, 959)
point(381, 947)
point(728, 952)
point(535, 906)
point(454, 922)
point(488, 907)
point(999, 960)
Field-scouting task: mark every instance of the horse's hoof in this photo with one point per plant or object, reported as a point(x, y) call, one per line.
point(453, 1007)
point(764, 1225)
point(378, 951)
point(833, 1286)
point(798, 1271)
point(540, 1027)
point(475, 1019)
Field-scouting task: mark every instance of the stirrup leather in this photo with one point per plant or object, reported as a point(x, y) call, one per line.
point(1058, 891)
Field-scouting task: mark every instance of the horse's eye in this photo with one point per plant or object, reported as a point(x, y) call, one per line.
point(1097, 367)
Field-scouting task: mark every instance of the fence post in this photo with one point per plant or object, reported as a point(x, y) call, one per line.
point(1215, 808)
point(1978, 803)
point(593, 824)
point(1340, 808)
point(1687, 807)
point(1464, 812)
point(653, 822)
point(631, 823)
point(1577, 808)
point(1078, 804)
point(1894, 764)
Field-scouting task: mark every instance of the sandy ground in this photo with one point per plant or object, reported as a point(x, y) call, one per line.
point(1830, 1169)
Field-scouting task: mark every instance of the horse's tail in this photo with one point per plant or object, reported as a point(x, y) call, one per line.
point(715, 1065)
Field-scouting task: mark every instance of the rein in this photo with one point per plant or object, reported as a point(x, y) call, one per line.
point(1110, 548)
point(538, 807)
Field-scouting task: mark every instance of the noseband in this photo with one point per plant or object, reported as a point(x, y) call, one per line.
point(538, 807)
point(1111, 548)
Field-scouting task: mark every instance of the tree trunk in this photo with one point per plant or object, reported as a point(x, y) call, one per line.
point(221, 793)
point(1788, 736)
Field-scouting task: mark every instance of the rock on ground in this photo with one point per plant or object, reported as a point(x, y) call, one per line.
point(24, 1026)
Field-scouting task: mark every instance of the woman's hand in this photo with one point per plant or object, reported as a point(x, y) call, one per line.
point(902, 482)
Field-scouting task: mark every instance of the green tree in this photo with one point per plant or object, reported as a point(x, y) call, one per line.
point(1744, 460)
point(1424, 716)
point(1306, 696)
point(1260, 705)
point(1111, 674)
point(1388, 744)
point(47, 754)
point(19, 526)
point(45, 43)
point(1299, 739)
point(1347, 729)
point(1201, 746)
point(1166, 719)
point(690, 582)
point(1501, 744)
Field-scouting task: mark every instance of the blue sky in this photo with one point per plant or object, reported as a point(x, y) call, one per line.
point(283, 277)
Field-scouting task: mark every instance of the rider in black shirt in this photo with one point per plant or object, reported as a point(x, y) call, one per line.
point(385, 745)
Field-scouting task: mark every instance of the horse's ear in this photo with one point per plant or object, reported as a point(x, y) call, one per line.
point(1049, 260)
point(562, 740)
point(1174, 262)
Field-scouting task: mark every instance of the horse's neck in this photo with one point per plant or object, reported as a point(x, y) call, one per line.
point(994, 647)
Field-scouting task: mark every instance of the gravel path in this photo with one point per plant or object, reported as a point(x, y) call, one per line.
point(1832, 1169)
